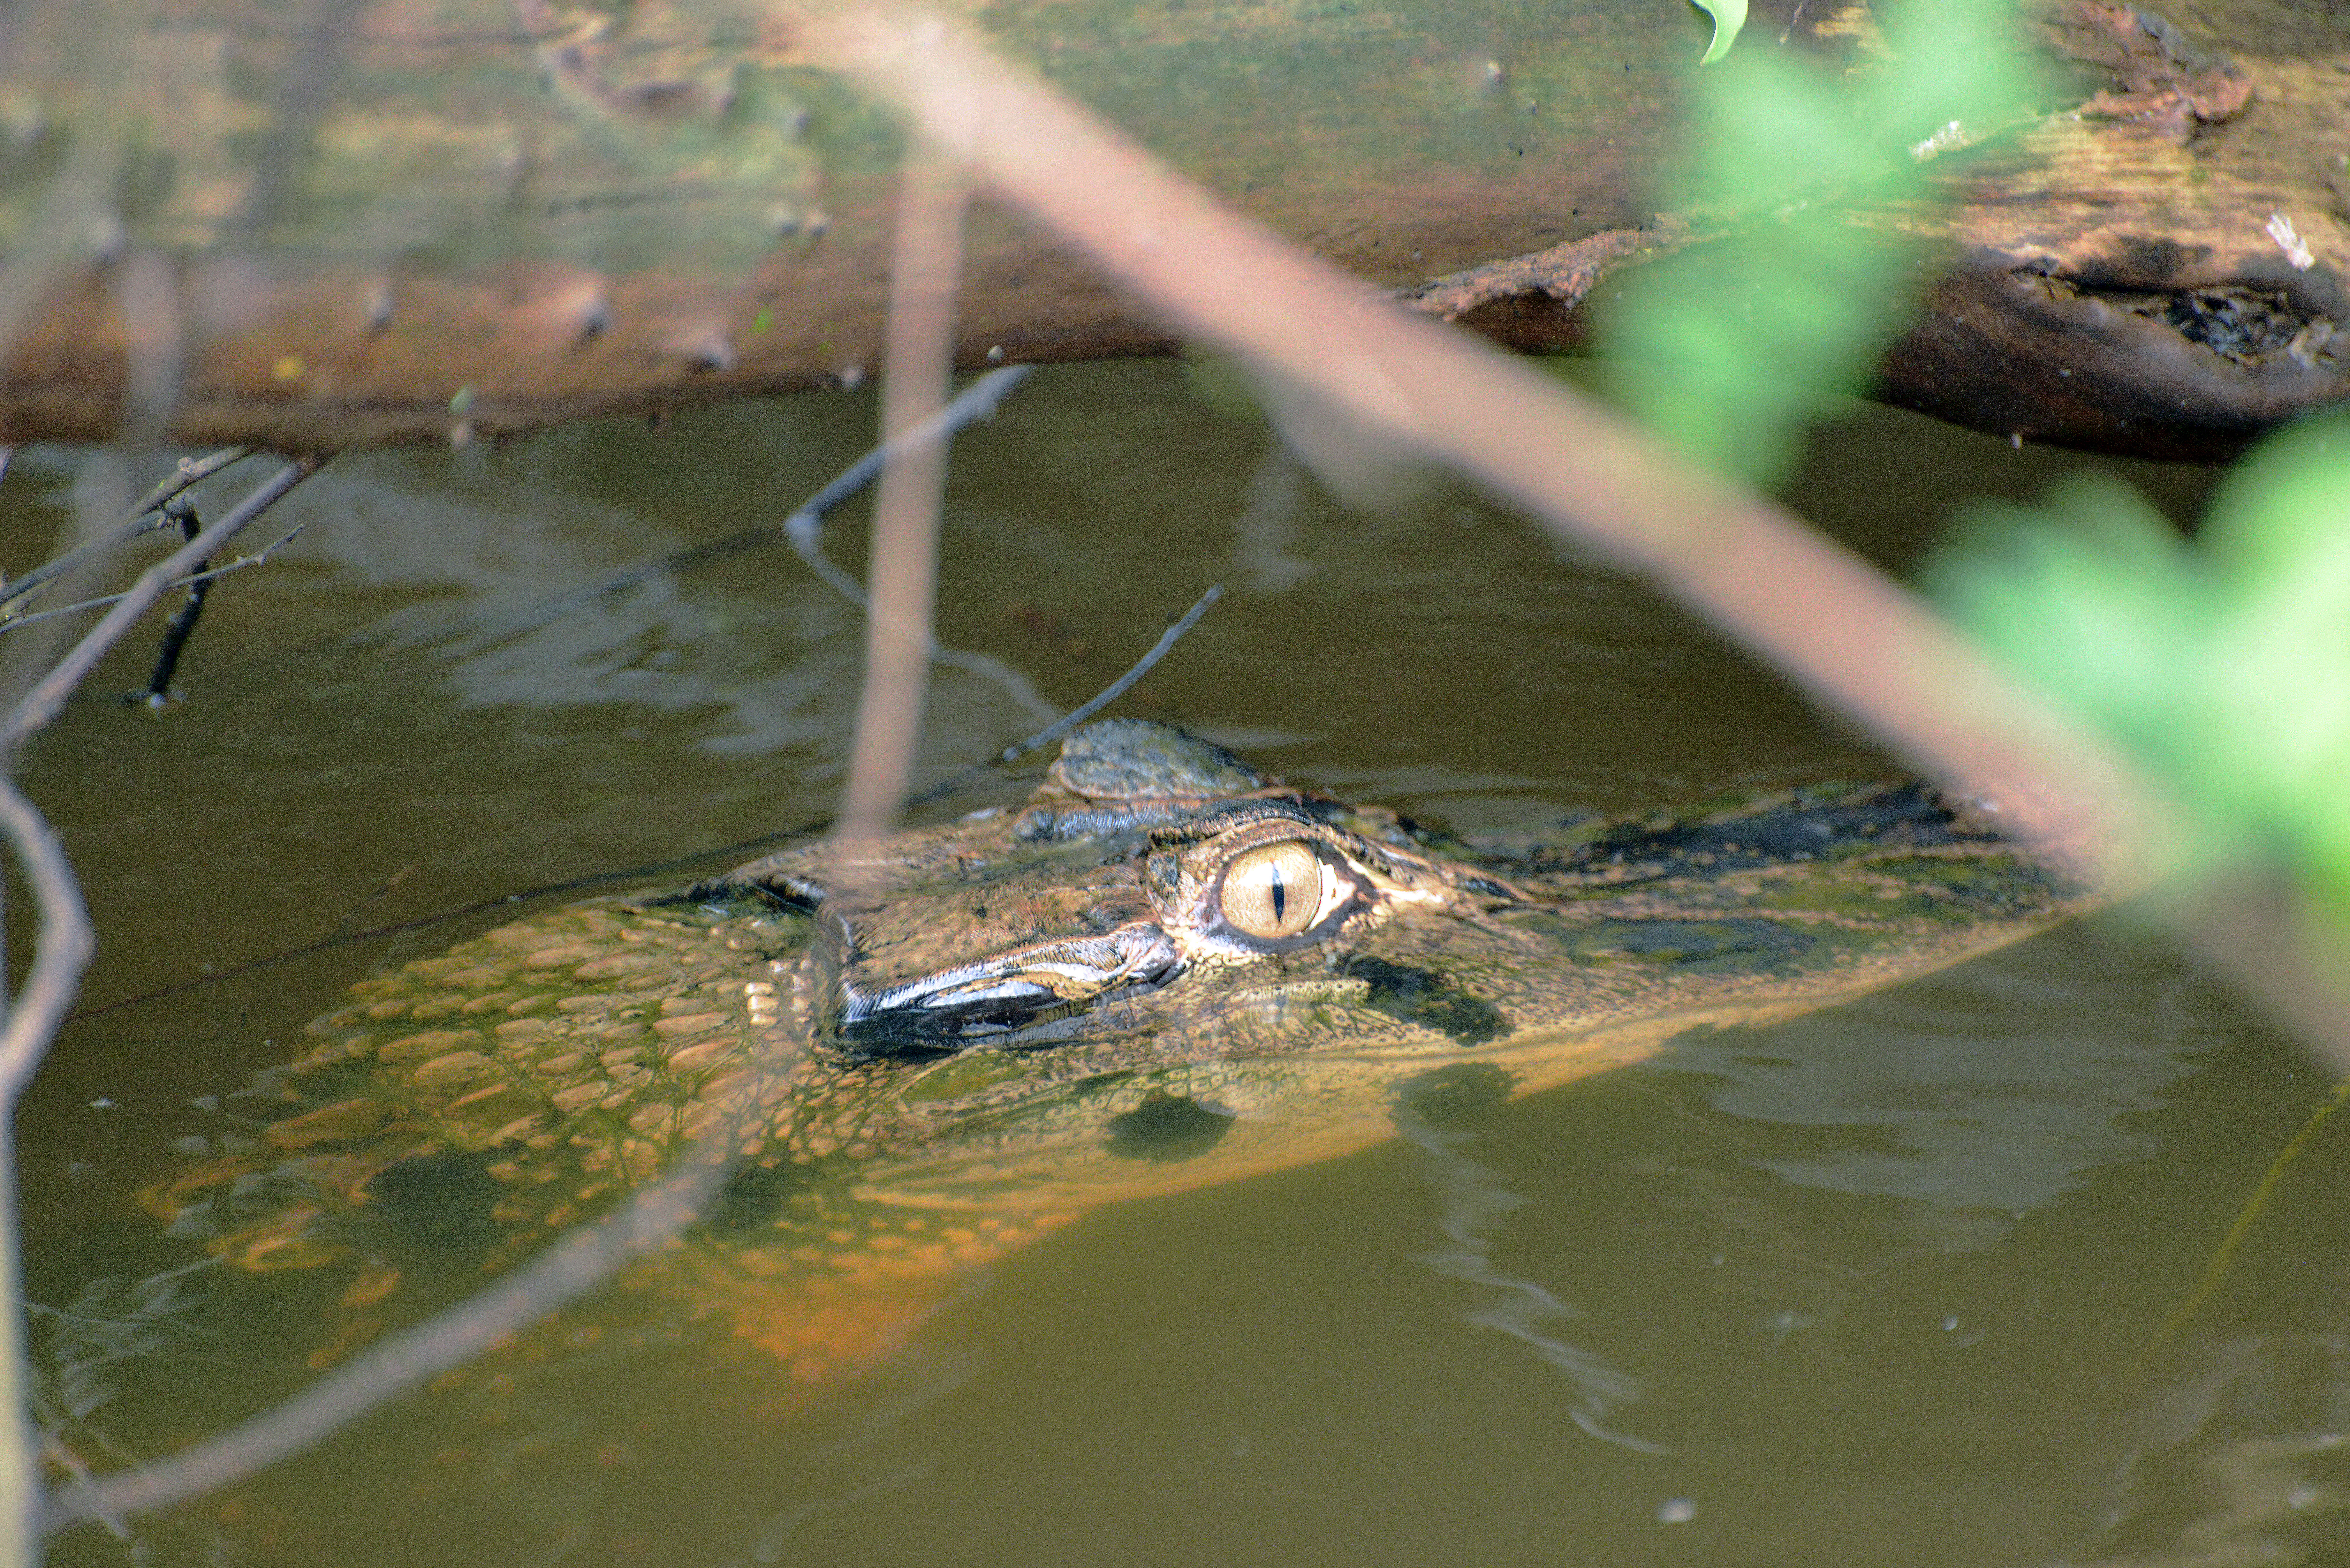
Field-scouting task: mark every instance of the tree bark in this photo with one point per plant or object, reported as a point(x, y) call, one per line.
point(394, 220)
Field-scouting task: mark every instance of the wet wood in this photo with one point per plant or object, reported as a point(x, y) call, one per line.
point(391, 220)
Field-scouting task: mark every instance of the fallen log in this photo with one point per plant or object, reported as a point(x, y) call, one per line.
point(395, 220)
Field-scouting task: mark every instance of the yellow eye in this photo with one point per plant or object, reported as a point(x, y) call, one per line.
point(1274, 891)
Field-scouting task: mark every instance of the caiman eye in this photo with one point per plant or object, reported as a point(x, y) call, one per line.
point(1277, 890)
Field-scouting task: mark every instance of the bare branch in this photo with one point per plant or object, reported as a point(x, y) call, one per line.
point(188, 473)
point(917, 358)
point(146, 518)
point(805, 527)
point(565, 1272)
point(49, 694)
point(60, 953)
point(977, 401)
point(1846, 634)
point(1117, 688)
point(259, 557)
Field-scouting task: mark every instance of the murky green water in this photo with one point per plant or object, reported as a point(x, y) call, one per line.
point(1873, 1287)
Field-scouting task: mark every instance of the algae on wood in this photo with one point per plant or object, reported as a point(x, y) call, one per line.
point(414, 218)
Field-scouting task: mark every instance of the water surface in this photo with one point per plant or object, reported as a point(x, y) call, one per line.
point(1882, 1285)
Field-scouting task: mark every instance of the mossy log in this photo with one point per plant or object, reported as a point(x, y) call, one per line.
point(371, 221)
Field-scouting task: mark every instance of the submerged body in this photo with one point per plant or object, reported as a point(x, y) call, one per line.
point(1166, 970)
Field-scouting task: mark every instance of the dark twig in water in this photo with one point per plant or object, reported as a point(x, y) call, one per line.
point(579, 1263)
point(724, 852)
point(1117, 688)
point(49, 694)
point(182, 625)
point(805, 527)
point(145, 517)
point(258, 558)
point(977, 401)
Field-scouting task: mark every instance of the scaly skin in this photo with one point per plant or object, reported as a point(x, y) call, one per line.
point(938, 1048)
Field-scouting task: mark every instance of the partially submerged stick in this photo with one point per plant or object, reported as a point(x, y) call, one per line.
point(49, 694)
point(62, 949)
point(146, 516)
point(978, 401)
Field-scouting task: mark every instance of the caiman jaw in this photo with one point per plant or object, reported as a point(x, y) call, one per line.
point(968, 1004)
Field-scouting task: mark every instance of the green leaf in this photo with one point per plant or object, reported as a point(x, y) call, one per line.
point(1728, 15)
point(1733, 346)
point(2224, 664)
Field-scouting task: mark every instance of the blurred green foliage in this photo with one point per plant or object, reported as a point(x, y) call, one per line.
point(1729, 16)
point(2220, 663)
point(1733, 347)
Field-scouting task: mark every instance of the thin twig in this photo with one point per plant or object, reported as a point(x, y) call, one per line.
point(917, 360)
point(977, 401)
point(1842, 630)
point(145, 517)
point(581, 1261)
point(1117, 688)
point(1076, 716)
point(259, 557)
point(60, 953)
point(2215, 1272)
point(351, 915)
point(806, 534)
point(49, 694)
point(724, 852)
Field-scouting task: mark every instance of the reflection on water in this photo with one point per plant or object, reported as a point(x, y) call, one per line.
point(2243, 1461)
point(1970, 1115)
point(1864, 1288)
point(1474, 1204)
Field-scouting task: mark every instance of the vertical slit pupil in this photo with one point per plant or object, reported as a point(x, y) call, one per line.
point(1279, 894)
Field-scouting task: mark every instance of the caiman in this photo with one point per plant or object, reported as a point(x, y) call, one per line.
point(1165, 970)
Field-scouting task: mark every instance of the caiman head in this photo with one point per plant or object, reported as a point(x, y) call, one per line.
point(1159, 899)
point(1165, 970)
point(1156, 887)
